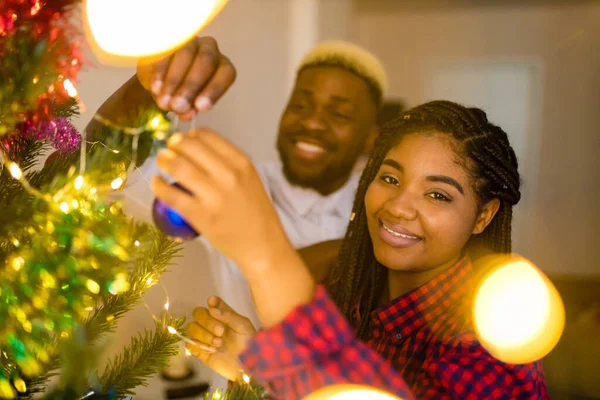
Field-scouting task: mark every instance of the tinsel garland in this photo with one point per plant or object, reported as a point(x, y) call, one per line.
point(39, 51)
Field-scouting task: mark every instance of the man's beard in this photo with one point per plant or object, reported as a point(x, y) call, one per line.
point(325, 178)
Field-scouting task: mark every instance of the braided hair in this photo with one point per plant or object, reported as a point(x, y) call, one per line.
point(485, 153)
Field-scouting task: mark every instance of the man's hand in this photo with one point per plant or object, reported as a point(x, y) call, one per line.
point(190, 80)
point(222, 334)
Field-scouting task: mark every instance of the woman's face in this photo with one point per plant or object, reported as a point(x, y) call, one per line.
point(421, 207)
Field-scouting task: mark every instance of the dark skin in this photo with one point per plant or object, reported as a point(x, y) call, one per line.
point(328, 123)
point(187, 82)
point(321, 257)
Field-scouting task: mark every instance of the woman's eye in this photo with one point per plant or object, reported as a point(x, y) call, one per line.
point(390, 180)
point(438, 196)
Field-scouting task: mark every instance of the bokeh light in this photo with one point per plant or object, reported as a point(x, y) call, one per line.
point(350, 392)
point(518, 313)
point(122, 31)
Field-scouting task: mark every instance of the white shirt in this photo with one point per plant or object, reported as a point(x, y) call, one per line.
point(307, 218)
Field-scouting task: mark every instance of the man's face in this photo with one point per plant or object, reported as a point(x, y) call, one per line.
point(325, 127)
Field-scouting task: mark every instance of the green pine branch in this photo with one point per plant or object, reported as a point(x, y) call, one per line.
point(152, 265)
point(240, 391)
point(154, 260)
point(146, 354)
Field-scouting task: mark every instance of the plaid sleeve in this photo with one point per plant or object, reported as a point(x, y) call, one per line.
point(467, 371)
point(315, 347)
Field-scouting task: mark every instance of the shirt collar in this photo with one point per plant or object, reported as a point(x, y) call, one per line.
point(440, 296)
point(304, 200)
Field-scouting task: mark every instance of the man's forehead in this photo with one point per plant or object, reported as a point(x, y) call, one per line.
point(333, 82)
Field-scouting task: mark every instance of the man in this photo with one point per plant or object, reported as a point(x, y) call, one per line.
point(328, 123)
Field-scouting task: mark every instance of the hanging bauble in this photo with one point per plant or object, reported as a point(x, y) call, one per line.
point(170, 222)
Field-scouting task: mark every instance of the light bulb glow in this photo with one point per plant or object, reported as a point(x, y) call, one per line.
point(517, 312)
point(78, 182)
point(350, 392)
point(64, 207)
point(70, 88)
point(117, 183)
point(15, 171)
point(172, 330)
point(127, 29)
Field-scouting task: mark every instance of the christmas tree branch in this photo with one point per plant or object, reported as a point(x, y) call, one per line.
point(146, 354)
point(147, 269)
point(156, 253)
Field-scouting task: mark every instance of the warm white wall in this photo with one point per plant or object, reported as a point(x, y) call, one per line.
point(562, 209)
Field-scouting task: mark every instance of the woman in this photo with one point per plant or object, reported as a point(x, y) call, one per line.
point(436, 194)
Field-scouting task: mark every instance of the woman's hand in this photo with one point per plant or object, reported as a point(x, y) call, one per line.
point(228, 204)
point(223, 334)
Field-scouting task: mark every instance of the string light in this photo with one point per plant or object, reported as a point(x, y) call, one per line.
point(70, 88)
point(72, 92)
point(78, 182)
point(117, 183)
point(15, 171)
point(64, 207)
point(20, 385)
point(201, 346)
point(155, 122)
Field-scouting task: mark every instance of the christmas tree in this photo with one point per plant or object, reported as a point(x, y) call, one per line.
point(72, 262)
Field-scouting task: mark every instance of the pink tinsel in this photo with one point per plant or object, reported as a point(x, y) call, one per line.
point(60, 133)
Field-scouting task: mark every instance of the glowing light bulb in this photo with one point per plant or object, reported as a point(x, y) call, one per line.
point(350, 392)
point(78, 182)
point(172, 330)
point(70, 88)
point(518, 314)
point(93, 286)
point(17, 263)
point(121, 31)
point(117, 183)
point(149, 281)
point(136, 243)
point(155, 122)
point(246, 378)
point(20, 385)
point(15, 171)
point(187, 352)
point(64, 207)
point(167, 305)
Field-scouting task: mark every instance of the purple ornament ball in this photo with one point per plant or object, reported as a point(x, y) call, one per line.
point(170, 222)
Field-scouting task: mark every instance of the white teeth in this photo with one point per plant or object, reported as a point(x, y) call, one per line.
point(310, 148)
point(398, 234)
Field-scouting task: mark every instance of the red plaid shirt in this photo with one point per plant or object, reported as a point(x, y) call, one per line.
point(426, 335)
